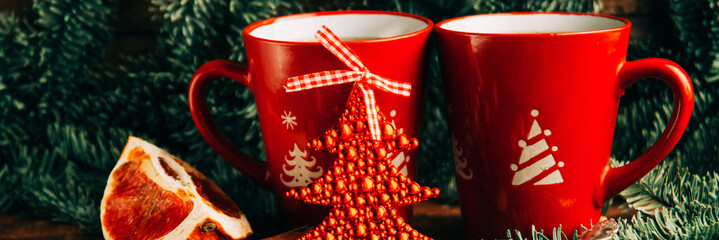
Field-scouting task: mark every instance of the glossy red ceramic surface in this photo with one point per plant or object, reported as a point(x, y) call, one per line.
point(288, 120)
point(532, 119)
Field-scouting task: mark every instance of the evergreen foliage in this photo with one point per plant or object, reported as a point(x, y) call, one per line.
point(681, 193)
point(66, 111)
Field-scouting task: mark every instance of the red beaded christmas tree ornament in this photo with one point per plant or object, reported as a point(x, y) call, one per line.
point(362, 185)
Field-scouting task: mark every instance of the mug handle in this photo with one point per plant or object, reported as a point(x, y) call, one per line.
point(197, 98)
point(615, 180)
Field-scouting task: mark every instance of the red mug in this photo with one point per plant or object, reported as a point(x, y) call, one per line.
point(391, 45)
point(532, 102)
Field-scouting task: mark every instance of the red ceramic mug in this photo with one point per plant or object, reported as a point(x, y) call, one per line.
point(391, 45)
point(532, 103)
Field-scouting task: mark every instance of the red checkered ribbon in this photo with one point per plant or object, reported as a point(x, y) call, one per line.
point(359, 74)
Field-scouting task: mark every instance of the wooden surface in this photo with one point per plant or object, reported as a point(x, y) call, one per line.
point(431, 219)
point(15, 226)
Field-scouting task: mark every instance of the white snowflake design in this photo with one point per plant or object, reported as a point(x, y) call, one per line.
point(288, 120)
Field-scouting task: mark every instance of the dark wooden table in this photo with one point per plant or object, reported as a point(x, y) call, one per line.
point(432, 219)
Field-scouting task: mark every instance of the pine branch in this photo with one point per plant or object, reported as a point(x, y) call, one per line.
point(61, 197)
point(643, 195)
point(8, 187)
point(691, 220)
point(36, 46)
point(700, 148)
point(697, 23)
point(671, 184)
point(557, 234)
point(66, 181)
point(244, 12)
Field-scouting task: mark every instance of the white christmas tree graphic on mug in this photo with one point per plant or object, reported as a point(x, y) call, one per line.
point(536, 158)
point(299, 169)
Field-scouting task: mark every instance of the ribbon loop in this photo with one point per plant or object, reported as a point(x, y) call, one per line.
point(362, 77)
point(333, 43)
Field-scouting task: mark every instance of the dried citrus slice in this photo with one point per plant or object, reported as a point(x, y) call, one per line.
point(151, 194)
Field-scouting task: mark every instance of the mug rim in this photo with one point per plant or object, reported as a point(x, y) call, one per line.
point(627, 24)
point(246, 32)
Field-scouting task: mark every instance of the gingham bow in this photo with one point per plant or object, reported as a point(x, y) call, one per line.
point(359, 74)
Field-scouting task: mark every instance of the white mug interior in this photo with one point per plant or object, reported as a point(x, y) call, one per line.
point(531, 23)
point(348, 27)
